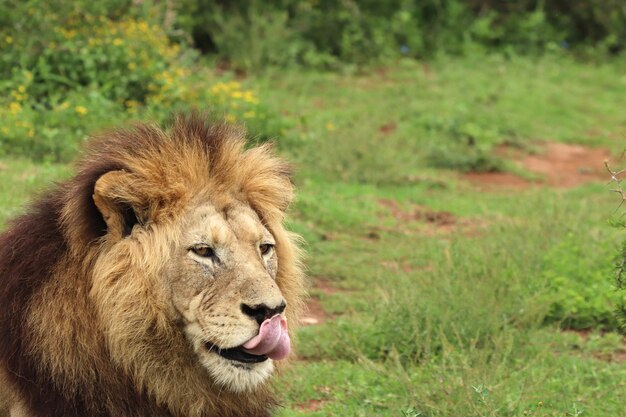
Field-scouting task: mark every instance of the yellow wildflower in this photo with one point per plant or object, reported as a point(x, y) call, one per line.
point(330, 126)
point(132, 66)
point(131, 106)
point(15, 107)
point(217, 89)
point(236, 94)
point(230, 118)
point(248, 96)
point(5, 130)
point(9, 39)
point(81, 110)
point(21, 88)
point(68, 33)
point(30, 133)
point(181, 72)
point(64, 105)
point(117, 41)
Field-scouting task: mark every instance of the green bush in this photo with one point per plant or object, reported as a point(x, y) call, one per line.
point(71, 68)
point(252, 35)
point(581, 295)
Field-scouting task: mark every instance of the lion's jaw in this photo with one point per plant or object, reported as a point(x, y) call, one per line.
point(210, 293)
point(237, 377)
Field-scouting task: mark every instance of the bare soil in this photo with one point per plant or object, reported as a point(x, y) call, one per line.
point(418, 213)
point(617, 356)
point(425, 221)
point(558, 165)
point(311, 405)
point(315, 313)
point(497, 180)
point(388, 128)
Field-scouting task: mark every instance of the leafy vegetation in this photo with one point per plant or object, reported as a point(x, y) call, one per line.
point(441, 297)
point(333, 34)
point(429, 320)
point(84, 69)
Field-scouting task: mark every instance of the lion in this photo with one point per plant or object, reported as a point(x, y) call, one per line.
point(159, 281)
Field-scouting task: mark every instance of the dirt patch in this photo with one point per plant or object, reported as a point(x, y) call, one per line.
point(316, 404)
point(565, 165)
point(418, 213)
point(615, 356)
point(497, 180)
point(558, 165)
point(416, 219)
point(388, 128)
point(311, 405)
point(314, 313)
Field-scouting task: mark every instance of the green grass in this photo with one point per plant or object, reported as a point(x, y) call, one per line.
point(449, 113)
point(475, 307)
point(468, 320)
point(21, 180)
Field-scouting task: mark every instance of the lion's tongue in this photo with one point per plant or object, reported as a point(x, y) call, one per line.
point(272, 340)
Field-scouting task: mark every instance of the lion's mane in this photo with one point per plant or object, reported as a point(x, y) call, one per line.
point(58, 355)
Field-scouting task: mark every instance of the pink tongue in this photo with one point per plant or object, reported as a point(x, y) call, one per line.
point(272, 340)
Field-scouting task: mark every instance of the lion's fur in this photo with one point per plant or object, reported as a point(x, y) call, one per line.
point(63, 353)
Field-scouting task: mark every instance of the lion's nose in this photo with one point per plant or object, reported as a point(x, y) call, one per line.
point(261, 312)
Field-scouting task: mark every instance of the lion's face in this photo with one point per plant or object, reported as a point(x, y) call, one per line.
point(195, 275)
point(222, 286)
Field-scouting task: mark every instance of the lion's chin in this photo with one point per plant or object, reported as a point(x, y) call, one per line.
point(235, 375)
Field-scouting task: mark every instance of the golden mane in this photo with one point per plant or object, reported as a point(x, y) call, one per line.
point(62, 354)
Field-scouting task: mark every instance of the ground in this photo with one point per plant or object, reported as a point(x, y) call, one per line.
point(456, 219)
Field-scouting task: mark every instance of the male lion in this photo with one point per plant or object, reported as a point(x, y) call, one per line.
point(158, 281)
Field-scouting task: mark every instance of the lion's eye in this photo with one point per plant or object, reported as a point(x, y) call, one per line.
point(203, 251)
point(266, 248)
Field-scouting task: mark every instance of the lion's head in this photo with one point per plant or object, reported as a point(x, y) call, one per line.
point(179, 267)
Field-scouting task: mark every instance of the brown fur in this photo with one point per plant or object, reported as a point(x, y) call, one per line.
point(81, 335)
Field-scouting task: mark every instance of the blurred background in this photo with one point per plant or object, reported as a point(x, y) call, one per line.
point(463, 245)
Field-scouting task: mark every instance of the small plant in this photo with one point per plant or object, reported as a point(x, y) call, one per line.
point(576, 412)
point(411, 412)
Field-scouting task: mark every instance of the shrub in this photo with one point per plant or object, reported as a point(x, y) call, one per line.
point(326, 33)
point(580, 293)
point(71, 68)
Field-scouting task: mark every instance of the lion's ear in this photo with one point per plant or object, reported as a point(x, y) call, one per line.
point(116, 198)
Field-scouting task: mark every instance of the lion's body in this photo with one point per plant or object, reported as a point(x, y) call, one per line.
point(88, 322)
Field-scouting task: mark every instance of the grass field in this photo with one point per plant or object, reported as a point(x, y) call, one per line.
point(436, 292)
